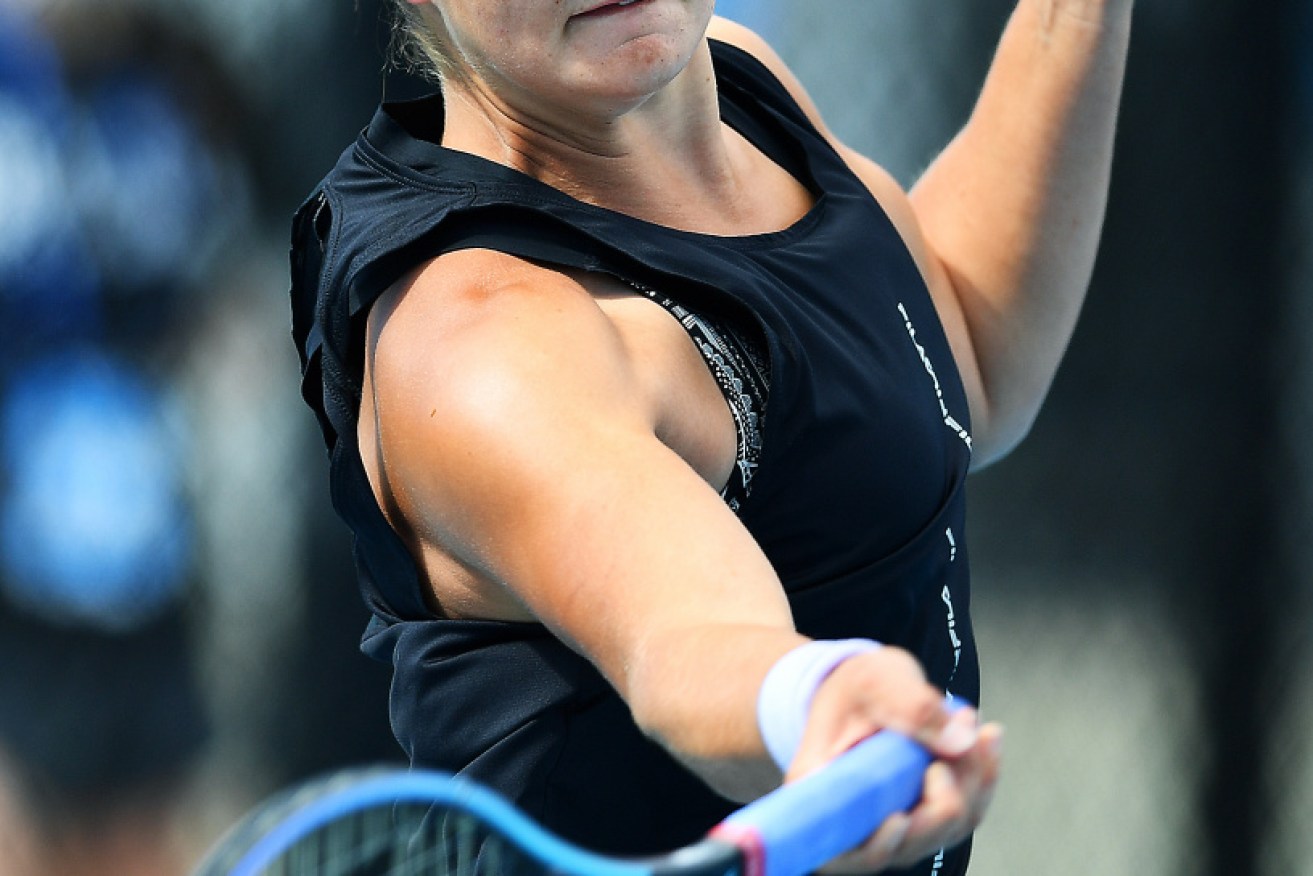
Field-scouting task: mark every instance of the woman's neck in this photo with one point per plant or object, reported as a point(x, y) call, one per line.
point(657, 161)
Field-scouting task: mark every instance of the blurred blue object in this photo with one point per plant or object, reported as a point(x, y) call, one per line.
point(147, 185)
point(94, 529)
point(48, 283)
point(29, 66)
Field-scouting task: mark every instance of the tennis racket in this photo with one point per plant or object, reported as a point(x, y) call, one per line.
point(398, 822)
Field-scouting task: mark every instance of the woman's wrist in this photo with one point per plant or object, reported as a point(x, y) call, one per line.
point(785, 698)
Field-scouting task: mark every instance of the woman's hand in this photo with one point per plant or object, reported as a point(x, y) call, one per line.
point(885, 689)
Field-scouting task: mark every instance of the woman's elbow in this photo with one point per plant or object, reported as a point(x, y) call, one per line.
point(1001, 431)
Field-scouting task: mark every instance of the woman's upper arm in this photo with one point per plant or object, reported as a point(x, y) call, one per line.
point(516, 437)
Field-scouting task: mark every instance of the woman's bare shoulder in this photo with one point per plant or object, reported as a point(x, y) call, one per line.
point(727, 31)
point(482, 315)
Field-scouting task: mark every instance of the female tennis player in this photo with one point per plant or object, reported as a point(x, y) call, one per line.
point(650, 404)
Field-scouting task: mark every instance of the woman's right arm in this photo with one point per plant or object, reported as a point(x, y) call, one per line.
point(518, 429)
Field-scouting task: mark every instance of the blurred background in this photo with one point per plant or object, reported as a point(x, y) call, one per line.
point(178, 613)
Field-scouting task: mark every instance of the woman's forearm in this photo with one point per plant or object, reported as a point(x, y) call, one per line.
point(694, 690)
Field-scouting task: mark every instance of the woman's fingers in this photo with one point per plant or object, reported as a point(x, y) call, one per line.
point(955, 796)
point(954, 737)
point(886, 689)
point(881, 689)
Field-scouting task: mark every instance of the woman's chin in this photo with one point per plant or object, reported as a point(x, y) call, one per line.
point(632, 74)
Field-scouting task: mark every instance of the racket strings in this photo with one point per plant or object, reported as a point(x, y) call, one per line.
point(454, 843)
point(404, 841)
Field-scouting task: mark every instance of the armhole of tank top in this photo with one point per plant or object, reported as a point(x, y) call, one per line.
point(742, 371)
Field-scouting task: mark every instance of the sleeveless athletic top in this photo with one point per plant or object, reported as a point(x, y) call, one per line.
point(856, 496)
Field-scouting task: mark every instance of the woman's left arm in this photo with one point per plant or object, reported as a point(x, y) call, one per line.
point(1005, 223)
point(1010, 214)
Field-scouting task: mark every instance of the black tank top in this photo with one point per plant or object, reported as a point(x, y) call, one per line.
point(856, 497)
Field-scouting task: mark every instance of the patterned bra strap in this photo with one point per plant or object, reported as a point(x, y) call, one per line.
point(741, 370)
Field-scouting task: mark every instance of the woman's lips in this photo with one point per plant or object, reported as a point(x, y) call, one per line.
point(613, 8)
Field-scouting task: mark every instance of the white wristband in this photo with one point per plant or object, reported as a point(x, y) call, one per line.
point(785, 698)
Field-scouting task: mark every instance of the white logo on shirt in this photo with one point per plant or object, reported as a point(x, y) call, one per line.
point(949, 421)
point(947, 596)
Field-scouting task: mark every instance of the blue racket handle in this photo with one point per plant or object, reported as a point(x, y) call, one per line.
point(802, 825)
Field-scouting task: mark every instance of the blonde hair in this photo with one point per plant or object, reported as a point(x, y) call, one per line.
point(418, 44)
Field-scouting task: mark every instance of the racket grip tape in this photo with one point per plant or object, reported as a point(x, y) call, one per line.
point(802, 825)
